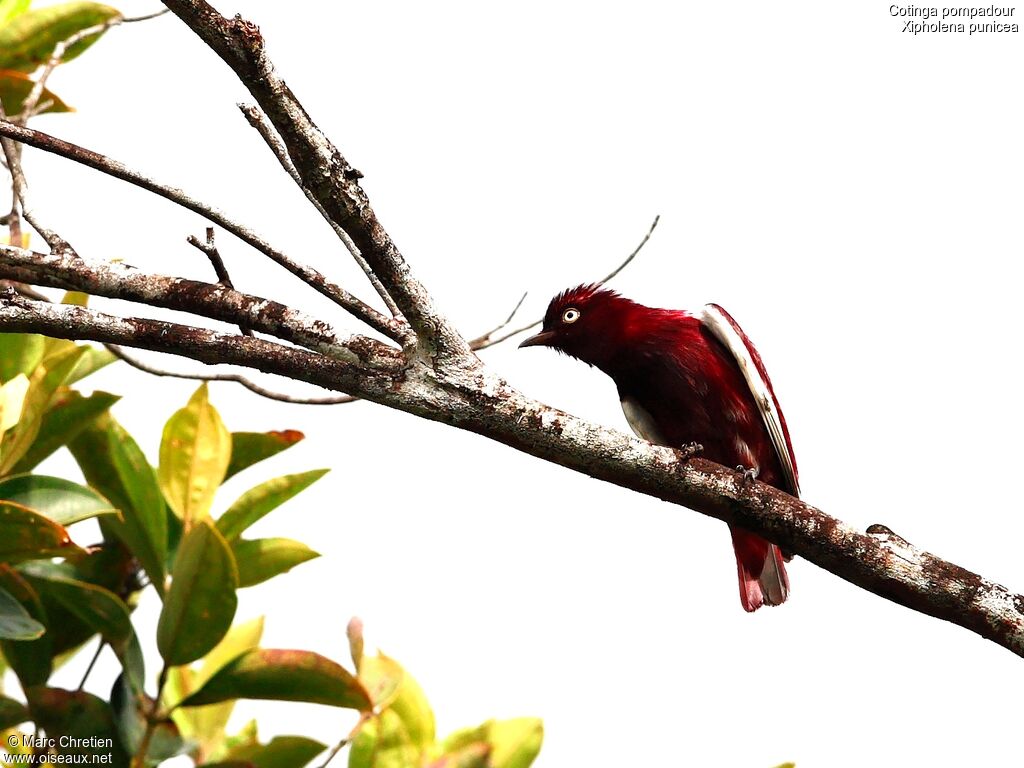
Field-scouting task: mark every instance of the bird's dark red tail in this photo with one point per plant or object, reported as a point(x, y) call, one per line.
point(761, 571)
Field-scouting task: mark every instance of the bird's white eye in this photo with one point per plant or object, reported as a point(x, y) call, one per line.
point(571, 315)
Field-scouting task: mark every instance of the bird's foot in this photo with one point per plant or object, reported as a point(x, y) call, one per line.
point(688, 451)
point(749, 474)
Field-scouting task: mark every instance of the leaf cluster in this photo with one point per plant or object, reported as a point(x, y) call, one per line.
point(30, 36)
point(58, 596)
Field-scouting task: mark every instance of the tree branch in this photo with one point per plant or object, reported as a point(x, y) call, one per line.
point(259, 121)
point(116, 280)
point(443, 381)
point(326, 174)
point(311, 277)
point(480, 402)
point(235, 378)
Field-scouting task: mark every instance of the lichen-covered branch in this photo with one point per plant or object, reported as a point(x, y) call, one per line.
point(116, 280)
point(438, 377)
point(325, 173)
point(480, 402)
point(387, 326)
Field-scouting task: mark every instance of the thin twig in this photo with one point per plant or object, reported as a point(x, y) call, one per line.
point(134, 362)
point(210, 249)
point(363, 717)
point(57, 243)
point(31, 103)
point(485, 341)
point(379, 322)
point(117, 280)
point(146, 17)
point(481, 341)
point(259, 121)
point(636, 250)
point(92, 663)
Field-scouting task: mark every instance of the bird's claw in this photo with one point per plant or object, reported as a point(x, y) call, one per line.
point(749, 474)
point(689, 450)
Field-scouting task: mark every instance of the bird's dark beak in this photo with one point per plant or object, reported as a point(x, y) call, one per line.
point(542, 339)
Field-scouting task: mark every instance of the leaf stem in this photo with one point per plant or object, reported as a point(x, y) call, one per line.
point(153, 718)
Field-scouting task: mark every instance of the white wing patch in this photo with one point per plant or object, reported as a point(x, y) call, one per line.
point(715, 321)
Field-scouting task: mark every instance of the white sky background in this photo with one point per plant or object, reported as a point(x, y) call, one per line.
point(851, 194)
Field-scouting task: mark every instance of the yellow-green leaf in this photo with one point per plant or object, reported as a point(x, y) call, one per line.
point(262, 559)
point(12, 401)
point(248, 448)
point(283, 675)
point(384, 742)
point(201, 601)
point(48, 376)
point(515, 743)
point(114, 465)
point(28, 39)
point(205, 725)
point(15, 88)
point(27, 535)
point(194, 455)
point(69, 413)
point(281, 752)
point(19, 352)
point(11, 8)
point(60, 500)
point(393, 688)
point(264, 498)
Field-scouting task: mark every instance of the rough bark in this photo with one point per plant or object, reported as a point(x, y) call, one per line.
point(436, 375)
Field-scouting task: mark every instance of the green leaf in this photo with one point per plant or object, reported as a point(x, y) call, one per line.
point(194, 455)
point(19, 352)
point(281, 752)
point(262, 559)
point(206, 725)
point(11, 8)
point(100, 609)
point(43, 384)
point(283, 676)
point(60, 500)
point(512, 743)
point(15, 88)
point(201, 601)
point(248, 448)
point(15, 621)
point(384, 742)
point(404, 731)
point(473, 755)
point(69, 413)
point(11, 713)
point(130, 711)
point(93, 360)
point(27, 535)
point(86, 718)
point(12, 401)
point(114, 465)
point(31, 660)
point(515, 743)
point(28, 40)
point(257, 502)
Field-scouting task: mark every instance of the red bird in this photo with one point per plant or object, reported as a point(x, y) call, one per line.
point(685, 378)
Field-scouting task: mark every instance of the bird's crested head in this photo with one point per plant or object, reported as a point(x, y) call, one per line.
point(588, 322)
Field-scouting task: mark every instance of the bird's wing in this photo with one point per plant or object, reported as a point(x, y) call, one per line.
point(726, 330)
